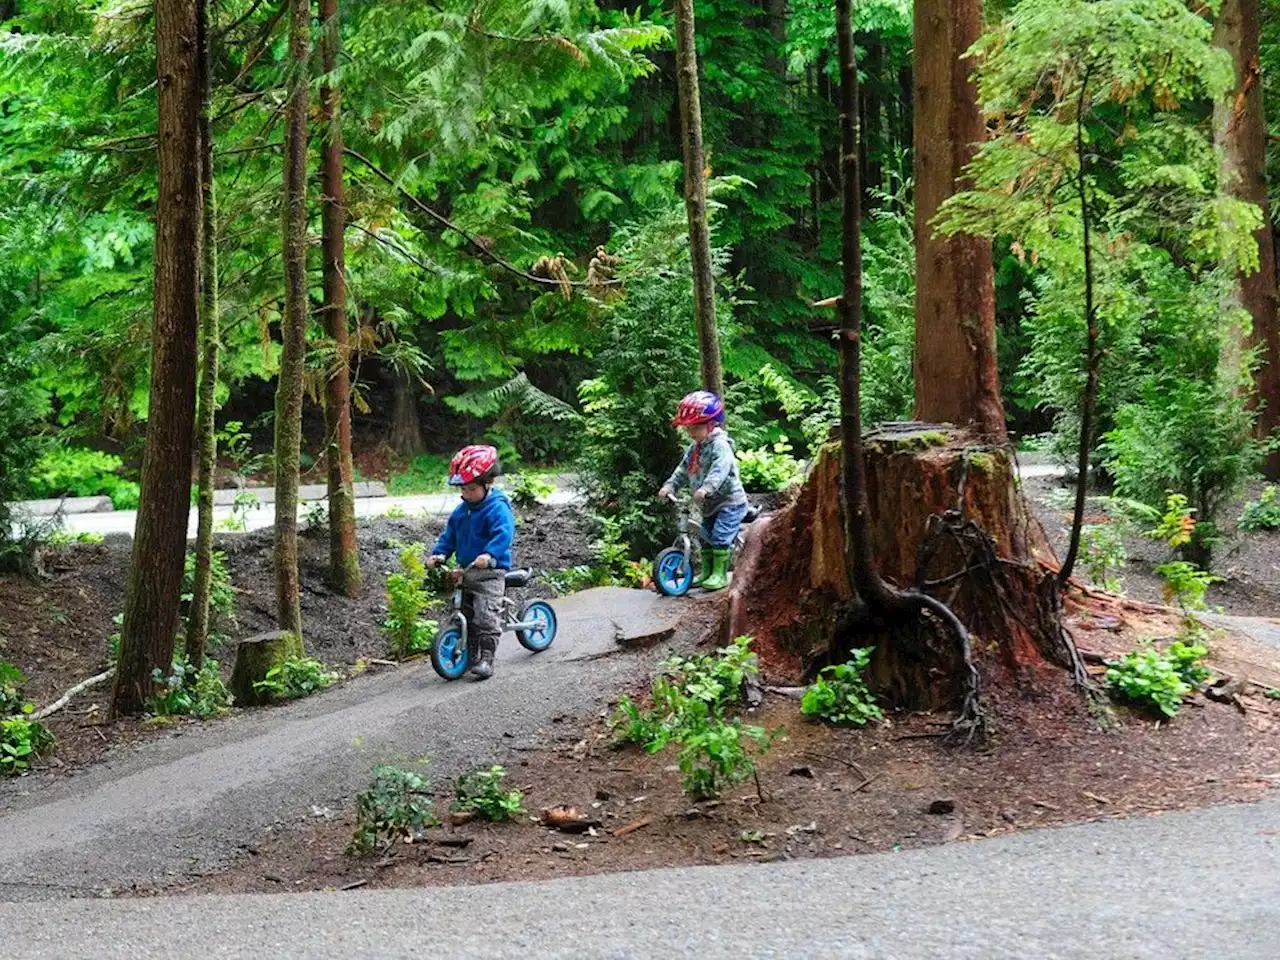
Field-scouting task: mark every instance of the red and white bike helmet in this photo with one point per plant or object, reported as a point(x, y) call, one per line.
point(701, 406)
point(473, 464)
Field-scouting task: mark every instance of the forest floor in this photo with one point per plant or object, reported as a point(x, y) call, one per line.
point(823, 791)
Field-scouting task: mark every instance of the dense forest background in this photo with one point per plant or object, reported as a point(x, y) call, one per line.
point(515, 258)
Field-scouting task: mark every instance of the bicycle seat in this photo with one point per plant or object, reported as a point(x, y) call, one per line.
point(519, 578)
point(752, 514)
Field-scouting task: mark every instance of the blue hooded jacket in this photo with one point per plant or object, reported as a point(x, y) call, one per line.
point(475, 528)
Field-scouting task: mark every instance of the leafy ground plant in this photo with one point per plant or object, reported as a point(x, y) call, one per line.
point(296, 677)
point(1104, 555)
point(22, 741)
point(690, 699)
point(1261, 514)
point(398, 803)
point(769, 469)
point(840, 694)
point(529, 490)
point(11, 681)
point(481, 793)
point(407, 632)
point(189, 692)
point(1149, 678)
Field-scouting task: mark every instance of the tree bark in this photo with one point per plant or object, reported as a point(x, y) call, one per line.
point(1241, 134)
point(1093, 346)
point(344, 558)
point(406, 425)
point(289, 392)
point(155, 569)
point(956, 375)
point(695, 198)
point(206, 402)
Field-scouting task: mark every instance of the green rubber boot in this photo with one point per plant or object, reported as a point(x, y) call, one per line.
point(719, 578)
point(704, 568)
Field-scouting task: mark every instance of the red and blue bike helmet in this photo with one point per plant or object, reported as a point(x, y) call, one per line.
point(701, 406)
point(473, 464)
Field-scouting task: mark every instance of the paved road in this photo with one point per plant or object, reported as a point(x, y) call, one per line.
point(1204, 884)
point(435, 504)
point(178, 806)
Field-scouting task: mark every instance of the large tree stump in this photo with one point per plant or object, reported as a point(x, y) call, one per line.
point(946, 516)
point(255, 656)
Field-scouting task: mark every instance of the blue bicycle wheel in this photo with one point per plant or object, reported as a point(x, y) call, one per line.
point(672, 574)
point(449, 655)
point(540, 637)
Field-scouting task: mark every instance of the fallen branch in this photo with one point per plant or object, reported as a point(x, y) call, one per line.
point(80, 687)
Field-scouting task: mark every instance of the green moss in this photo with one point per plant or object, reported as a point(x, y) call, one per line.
point(983, 462)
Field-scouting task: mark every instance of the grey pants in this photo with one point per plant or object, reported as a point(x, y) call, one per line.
point(482, 593)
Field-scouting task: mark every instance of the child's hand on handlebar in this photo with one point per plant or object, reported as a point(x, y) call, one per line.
point(666, 493)
point(700, 494)
point(434, 560)
point(482, 562)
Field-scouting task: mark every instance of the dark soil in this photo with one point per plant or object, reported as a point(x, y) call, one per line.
point(828, 792)
point(56, 628)
point(1249, 562)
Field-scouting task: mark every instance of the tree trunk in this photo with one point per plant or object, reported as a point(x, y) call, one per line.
point(155, 569)
point(1241, 135)
point(288, 441)
point(695, 198)
point(986, 560)
point(206, 408)
point(344, 558)
point(406, 425)
point(956, 376)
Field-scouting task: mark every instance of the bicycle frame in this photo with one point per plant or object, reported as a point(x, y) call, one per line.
point(509, 622)
point(689, 527)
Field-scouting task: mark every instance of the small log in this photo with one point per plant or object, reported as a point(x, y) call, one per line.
point(255, 656)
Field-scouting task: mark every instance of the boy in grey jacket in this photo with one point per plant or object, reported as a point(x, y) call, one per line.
point(710, 468)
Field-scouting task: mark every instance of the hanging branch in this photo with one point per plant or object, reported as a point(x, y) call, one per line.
point(484, 249)
point(883, 601)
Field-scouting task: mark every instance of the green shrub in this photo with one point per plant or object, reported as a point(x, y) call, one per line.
point(613, 566)
point(294, 678)
point(1189, 437)
point(22, 741)
point(1149, 678)
point(1103, 555)
point(11, 681)
point(398, 803)
point(529, 490)
point(690, 699)
point(78, 472)
point(481, 793)
point(1261, 514)
point(222, 595)
point(189, 692)
point(406, 631)
point(769, 470)
point(840, 694)
point(20, 442)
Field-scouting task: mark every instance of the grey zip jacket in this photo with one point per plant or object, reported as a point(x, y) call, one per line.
point(716, 472)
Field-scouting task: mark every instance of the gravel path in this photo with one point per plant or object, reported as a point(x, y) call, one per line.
point(172, 808)
point(1204, 884)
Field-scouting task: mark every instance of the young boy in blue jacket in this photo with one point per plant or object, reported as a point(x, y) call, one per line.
point(480, 532)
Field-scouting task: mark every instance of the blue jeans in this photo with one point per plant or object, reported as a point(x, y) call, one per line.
point(722, 526)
